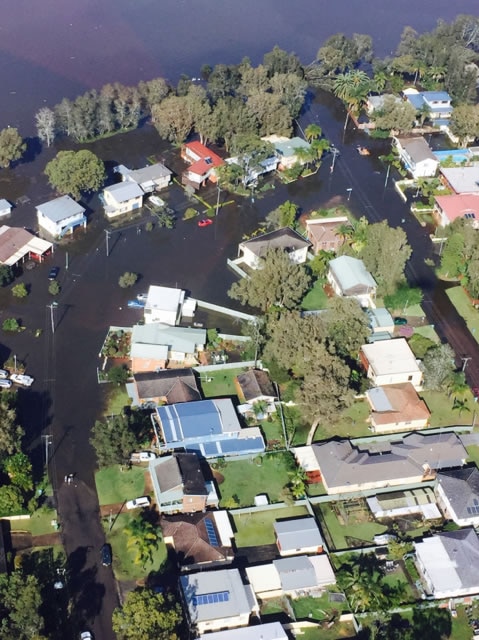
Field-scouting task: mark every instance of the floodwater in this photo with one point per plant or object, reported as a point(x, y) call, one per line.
point(61, 48)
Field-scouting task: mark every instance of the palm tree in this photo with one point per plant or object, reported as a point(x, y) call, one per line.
point(312, 132)
point(457, 385)
point(319, 146)
point(352, 88)
point(379, 81)
point(298, 483)
point(143, 538)
point(460, 406)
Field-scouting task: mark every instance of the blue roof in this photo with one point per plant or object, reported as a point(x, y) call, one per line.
point(436, 96)
point(227, 447)
point(189, 420)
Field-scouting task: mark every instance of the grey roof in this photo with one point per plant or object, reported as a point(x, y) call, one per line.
point(296, 573)
point(379, 317)
point(181, 339)
point(255, 383)
point(463, 548)
point(150, 173)
point(417, 149)
point(180, 470)
point(287, 148)
point(60, 209)
point(461, 488)
point(4, 204)
point(268, 631)
point(167, 471)
point(351, 275)
point(206, 583)
point(342, 463)
point(124, 191)
point(286, 239)
point(379, 399)
point(176, 385)
point(299, 533)
point(462, 179)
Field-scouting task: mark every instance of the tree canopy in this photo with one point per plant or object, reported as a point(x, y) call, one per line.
point(20, 603)
point(74, 172)
point(146, 614)
point(113, 440)
point(12, 146)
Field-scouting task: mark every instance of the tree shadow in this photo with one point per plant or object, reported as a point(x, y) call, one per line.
point(33, 150)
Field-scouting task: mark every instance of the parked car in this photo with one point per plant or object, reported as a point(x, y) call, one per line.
point(142, 456)
point(53, 273)
point(399, 322)
point(22, 379)
point(86, 635)
point(144, 501)
point(3, 374)
point(5, 384)
point(205, 223)
point(106, 555)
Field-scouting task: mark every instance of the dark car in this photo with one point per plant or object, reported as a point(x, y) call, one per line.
point(399, 322)
point(106, 555)
point(52, 274)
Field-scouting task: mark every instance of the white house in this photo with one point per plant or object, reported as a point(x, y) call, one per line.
point(268, 631)
point(447, 562)
point(216, 600)
point(251, 252)
point(349, 278)
point(5, 208)
point(417, 157)
point(152, 178)
point(298, 536)
point(391, 362)
point(287, 150)
point(60, 216)
point(458, 495)
point(164, 304)
point(122, 198)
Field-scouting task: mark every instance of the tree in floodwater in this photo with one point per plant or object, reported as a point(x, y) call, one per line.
point(74, 172)
point(46, 125)
point(12, 146)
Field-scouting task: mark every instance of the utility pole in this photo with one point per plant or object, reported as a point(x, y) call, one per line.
point(66, 260)
point(465, 360)
point(217, 200)
point(52, 306)
point(335, 154)
point(349, 193)
point(47, 440)
point(107, 238)
point(387, 175)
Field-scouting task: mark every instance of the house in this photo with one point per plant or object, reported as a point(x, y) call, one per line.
point(164, 304)
point(180, 485)
point(60, 216)
point(346, 467)
point(297, 536)
point(436, 103)
point(454, 207)
point(323, 233)
point(287, 150)
point(294, 577)
point(168, 386)
point(203, 164)
point(156, 345)
point(391, 362)
point(18, 244)
point(396, 407)
point(417, 157)
point(447, 562)
point(376, 103)
point(122, 198)
point(380, 321)
point(252, 173)
point(199, 540)
point(154, 177)
point(404, 503)
point(208, 427)
point(217, 600)
point(251, 252)
point(461, 180)
point(255, 386)
point(349, 278)
point(268, 631)
point(5, 208)
point(458, 495)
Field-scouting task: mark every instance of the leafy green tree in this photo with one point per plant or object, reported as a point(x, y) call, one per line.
point(319, 265)
point(20, 290)
point(283, 216)
point(6, 275)
point(118, 375)
point(420, 345)
point(11, 433)
point(438, 366)
point(452, 259)
point(146, 614)
point(11, 324)
point(456, 385)
point(352, 88)
point(404, 297)
point(312, 132)
point(397, 115)
point(347, 326)
point(173, 118)
point(19, 469)
point(12, 146)
point(464, 122)
point(128, 279)
point(74, 172)
point(460, 405)
point(278, 282)
point(143, 538)
point(20, 605)
point(278, 61)
point(298, 483)
point(113, 440)
point(11, 500)
point(54, 288)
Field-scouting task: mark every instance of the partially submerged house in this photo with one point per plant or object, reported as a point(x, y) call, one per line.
point(168, 386)
point(251, 252)
point(60, 216)
point(203, 163)
point(164, 304)
point(349, 278)
point(155, 346)
point(457, 491)
point(417, 157)
point(298, 536)
point(389, 362)
point(396, 407)
point(288, 150)
point(5, 208)
point(324, 233)
point(18, 244)
point(151, 178)
point(436, 104)
point(457, 207)
point(122, 198)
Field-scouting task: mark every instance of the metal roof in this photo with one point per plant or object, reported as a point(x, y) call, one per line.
point(351, 275)
point(269, 631)
point(124, 191)
point(60, 209)
point(295, 573)
point(299, 533)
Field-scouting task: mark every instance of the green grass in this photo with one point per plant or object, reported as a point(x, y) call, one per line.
point(123, 558)
point(336, 532)
point(336, 632)
point(316, 297)
point(473, 454)
point(116, 400)
point(428, 332)
point(220, 383)
point(256, 528)
point(414, 310)
point(115, 486)
point(351, 423)
point(39, 523)
point(442, 413)
point(246, 478)
point(273, 430)
point(317, 608)
point(464, 307)
point(461, 629)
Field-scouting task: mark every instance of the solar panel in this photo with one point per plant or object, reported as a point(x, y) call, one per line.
point(211, 533)
point(211, 598)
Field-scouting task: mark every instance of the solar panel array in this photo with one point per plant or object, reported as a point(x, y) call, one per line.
point(475, 509)
point(211, 598)
point(211, 533)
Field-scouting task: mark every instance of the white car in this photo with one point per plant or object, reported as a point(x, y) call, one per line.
point(22, 379)
point(5, 384)
point(3, 374)
point(86, 635)
point(143, 456)
point(144, 501)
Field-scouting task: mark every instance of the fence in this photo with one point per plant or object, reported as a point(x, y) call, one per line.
point(229, 365)
point(225, 311)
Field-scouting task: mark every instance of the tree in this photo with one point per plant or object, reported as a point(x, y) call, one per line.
point(457, 386)
point(12, 146)
point(74, 172)
point(460, 405)
point(298, 483)
point(20, 290)
point(20, 604)
point(352, 88)
point(54, 288)
point(113, 440)
point(118, 375)
point(173, 118)
point(11, 500)
point(452, 259)
point(146, 614)
point(404, 296)
point(464, 122)
point(347, 326)
point(143, 538)
point(385, 254)
point(11, 433)
point(284, 216)
point(277, 281)
point(11, 324)
point(46, 124)
point(438, 366)
point(19, 469)
point(6, 275)
point(128, 279)
point(394, 114)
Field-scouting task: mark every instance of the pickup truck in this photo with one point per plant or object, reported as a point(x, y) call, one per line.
point(142, 456)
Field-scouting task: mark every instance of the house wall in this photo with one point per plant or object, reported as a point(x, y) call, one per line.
point(295, 552)
point(160, 315)
point(55, 228)
point(366, 486)
point(121, 207)
point(241, 620)
point(414, 377)
point(410, 425)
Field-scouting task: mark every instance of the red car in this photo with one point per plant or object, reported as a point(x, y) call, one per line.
point(205, 223)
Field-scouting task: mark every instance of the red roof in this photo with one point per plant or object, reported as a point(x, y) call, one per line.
point(205, 155)
point(457, 205)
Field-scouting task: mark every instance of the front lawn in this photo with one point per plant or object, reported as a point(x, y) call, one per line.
point(441, 407)
point(347, 524)
point(256, 528)
point(216, 384)
point(473, 454)
point(352, 423)
point(244, 479)
point(116, 399)
point(337, 631)
point(316, 297)
point(464, 307)
point(38, 524)
point(318, 608)
point(115, 486)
